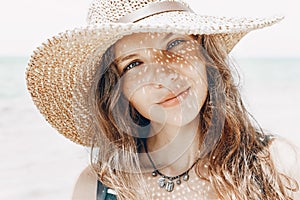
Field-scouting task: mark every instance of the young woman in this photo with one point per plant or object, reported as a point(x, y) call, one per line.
point(151, 89)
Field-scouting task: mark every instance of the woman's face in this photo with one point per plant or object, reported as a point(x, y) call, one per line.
point(163, 75)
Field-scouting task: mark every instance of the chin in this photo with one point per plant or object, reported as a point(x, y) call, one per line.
point(177, 116)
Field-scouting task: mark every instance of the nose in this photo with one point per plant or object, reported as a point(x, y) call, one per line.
point(163, 68)
point(173, 76)
point(159, 68)
point(165, 79)
point(163, 75)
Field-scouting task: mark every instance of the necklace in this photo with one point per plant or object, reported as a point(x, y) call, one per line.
point(165, 181)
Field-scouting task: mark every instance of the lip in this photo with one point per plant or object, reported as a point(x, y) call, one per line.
point(173, 99)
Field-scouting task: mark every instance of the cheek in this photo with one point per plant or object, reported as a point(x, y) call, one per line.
point(202, 92)
point(200, 84)
point(195, 70)
point(139, 99)
point(141, 107)
point(201, 78)
point(132, 85)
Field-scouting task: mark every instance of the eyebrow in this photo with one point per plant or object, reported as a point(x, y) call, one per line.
point(168, 36)
point(120, 60)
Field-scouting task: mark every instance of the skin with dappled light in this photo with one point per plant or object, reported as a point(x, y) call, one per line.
point(150, 89)
point(176, 91)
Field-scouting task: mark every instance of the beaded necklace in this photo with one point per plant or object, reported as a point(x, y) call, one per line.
point(165, 181)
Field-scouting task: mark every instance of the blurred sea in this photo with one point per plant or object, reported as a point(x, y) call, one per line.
point(38, 163)
point(35, 161)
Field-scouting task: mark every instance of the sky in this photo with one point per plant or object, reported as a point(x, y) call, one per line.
point(25, 24)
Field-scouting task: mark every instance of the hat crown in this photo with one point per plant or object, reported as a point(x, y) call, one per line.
point(109, 11)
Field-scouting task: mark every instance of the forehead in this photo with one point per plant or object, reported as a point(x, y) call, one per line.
point(140, 40)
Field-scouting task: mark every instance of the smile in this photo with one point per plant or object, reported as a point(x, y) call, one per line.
point(173, 100)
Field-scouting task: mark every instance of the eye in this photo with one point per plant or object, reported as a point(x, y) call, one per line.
point(131, 65)
point(174, 43)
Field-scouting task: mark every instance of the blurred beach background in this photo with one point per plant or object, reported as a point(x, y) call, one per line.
point(38, 163)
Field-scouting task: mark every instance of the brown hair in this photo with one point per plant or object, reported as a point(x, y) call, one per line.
point(239, 166)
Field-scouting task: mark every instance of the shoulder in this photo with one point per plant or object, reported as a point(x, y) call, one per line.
point(86, 185)
point(286, 158)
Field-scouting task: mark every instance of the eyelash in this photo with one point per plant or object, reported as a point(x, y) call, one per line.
point(137, 63)
point(174, 43)
point(132, 65)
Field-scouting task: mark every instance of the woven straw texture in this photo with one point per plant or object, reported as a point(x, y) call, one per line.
point(60, 71)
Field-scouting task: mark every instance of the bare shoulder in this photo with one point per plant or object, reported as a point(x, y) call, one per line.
point(86, 185)
point(286, 157)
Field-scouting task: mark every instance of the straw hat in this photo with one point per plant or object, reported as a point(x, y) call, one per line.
point(59, 76)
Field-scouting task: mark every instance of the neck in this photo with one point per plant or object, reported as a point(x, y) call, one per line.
point(174, 148)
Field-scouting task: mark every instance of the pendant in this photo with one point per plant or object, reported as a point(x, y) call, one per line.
point(169, 186)
point(154, 173)
point(161, 182)
point(186, 177)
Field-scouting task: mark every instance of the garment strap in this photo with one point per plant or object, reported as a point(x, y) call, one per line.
point(104, 193)
point(101, 191)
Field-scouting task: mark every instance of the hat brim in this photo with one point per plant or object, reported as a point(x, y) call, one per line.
point(58, 76)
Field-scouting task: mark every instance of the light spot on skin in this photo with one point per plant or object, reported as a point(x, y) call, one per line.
point(145, 68)
point(143, 90)
point(195, 106)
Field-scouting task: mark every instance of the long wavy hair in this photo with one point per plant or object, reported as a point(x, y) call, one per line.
point(239, 165)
